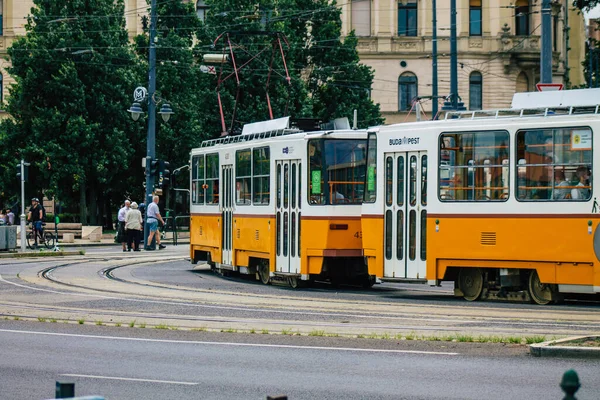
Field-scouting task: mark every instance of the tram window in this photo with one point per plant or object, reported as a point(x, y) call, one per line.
point(413, 181)
point(388, 234)
point(261, 175)
point(212, 178)
point(243, 179)
point(198, 181)
point(286, 187)
point(293, 195)
point(424, 180)
point(337, 171)
point(299, 189)
point(371, 175)
point(474, 166)
point(400, 234)
point(400, 182)
point(299, 233)
point(554, 164)
point(389, 173)
point(279, 186)
point(423, 235)
point(278, 224)
point(412, 235)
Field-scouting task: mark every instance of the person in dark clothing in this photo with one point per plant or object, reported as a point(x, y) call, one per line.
point(36, 216)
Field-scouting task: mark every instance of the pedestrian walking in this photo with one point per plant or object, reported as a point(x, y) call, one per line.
point(10, 217)
point(153, 216)
point(133, 227)
point(121, 237)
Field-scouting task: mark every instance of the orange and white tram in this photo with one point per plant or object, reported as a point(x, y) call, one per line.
point(280, 202)
point(500, 202)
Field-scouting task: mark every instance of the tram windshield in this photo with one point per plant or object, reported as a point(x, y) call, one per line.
point(336, 171)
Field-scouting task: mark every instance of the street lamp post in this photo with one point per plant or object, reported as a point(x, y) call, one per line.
point(136, 111)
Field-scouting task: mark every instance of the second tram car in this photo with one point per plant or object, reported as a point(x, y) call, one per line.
point(280, 203)
point(500, 202)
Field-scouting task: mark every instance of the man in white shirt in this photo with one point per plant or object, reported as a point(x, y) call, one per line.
point(582, 192)
point(152, 218)
point(121, 237)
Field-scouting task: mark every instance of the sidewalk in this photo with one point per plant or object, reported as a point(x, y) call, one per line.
point(76, 247)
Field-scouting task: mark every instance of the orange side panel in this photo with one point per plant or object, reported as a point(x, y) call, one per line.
point(560, 249)
point(372, 237)
point(205, 234)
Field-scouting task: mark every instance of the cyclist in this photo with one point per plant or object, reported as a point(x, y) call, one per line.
point(36, 216)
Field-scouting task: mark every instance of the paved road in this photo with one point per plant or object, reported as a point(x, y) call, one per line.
point(161, 288)
point(124, 363)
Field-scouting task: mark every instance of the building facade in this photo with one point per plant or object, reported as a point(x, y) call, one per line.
point(498, 42)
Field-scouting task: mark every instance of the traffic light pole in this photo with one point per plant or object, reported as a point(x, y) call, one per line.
point(150, 142)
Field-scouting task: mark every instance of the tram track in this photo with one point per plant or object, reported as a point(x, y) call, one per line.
point(282, 316)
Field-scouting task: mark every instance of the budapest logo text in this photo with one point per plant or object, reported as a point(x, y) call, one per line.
point(404, 140)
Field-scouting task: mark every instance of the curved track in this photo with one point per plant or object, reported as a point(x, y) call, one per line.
point(162, 289)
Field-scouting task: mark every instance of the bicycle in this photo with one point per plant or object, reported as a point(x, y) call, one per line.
point(44, 237)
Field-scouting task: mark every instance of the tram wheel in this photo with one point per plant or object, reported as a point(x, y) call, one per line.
point(541, 293)
point(293, 281)
point(263, 272)
point(470, 282)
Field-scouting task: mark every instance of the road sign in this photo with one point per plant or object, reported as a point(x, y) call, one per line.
point(548, 87)
point(140, 93)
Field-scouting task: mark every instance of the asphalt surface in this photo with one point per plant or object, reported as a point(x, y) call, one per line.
point(134, 363)
point(162, 287)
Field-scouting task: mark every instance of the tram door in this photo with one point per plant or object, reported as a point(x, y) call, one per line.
point(405, 215)
point(288, 216)
point(227, 213)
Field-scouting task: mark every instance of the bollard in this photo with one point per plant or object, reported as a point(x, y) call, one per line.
point(570, 384)
point(281, 397)
point(65, 390)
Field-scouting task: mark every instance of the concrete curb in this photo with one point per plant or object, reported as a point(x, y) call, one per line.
point(49, 253)
point(560, 348)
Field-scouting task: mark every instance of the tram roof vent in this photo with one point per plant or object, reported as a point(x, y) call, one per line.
point(567, 102)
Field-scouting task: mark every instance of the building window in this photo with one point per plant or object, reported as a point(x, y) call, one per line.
point(522, 83)
point(1, 91)
point(361, 17)
point(522, 18)
point(475, 91)
point(407, 91)
point(1, 17)
point(407, 18)
point(201, 9)
point(475, 18)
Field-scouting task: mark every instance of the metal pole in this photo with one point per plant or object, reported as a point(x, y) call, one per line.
point(453, 58)
point(434, 77)
point(546, 55)
point(150, 145)
point(23, 238)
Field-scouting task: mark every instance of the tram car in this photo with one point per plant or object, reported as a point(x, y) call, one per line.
point(280, 203)
point(500, 202)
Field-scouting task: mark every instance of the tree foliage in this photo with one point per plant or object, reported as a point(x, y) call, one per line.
point(586, 5)
point(73, 70)
point(180, 83)
point(326, 79)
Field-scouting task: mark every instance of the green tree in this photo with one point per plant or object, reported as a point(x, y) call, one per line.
point(74, 69)
point(180, 83)
point(326, 79)
point(586, 5)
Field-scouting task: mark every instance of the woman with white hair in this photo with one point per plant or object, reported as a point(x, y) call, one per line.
point(133, 227)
